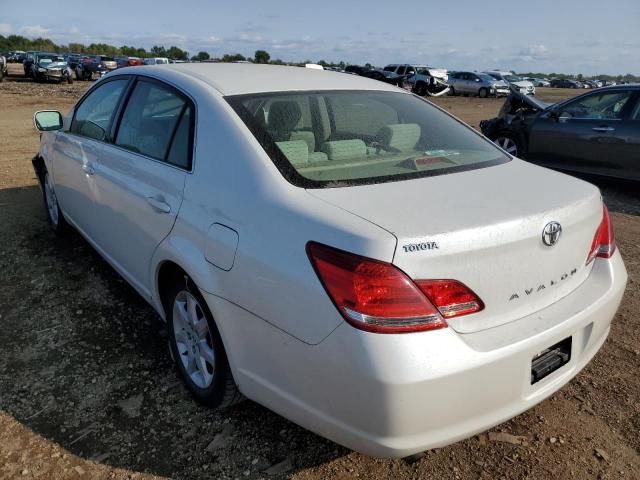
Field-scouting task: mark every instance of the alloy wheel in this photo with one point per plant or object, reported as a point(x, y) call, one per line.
point(194, 342)
point(508, 145)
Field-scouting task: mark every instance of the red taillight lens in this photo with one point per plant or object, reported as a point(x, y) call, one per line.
point(604, 242)
point(451, 297)
point(378, 297)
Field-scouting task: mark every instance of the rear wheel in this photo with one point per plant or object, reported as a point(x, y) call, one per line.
point(452, 91)
point(196, 347)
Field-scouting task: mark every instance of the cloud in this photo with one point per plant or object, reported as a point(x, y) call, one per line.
point(35, 30)
point(534, 53)
point(5, 29)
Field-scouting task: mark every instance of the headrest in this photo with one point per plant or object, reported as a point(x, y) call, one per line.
point(401, 136)
point(284, 116)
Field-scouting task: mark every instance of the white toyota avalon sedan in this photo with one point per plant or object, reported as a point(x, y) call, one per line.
point(334, 248)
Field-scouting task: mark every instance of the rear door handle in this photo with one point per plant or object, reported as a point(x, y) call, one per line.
point(159, 205)
point(603, 129)
point(88, 169)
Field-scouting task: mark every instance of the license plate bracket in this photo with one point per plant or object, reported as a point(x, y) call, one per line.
point(550, 360)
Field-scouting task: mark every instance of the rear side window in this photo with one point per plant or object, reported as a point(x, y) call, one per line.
point(93, 117)
point(157, 122)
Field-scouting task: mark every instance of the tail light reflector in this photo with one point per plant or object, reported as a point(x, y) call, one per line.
point(604, 242)
point(378, 297)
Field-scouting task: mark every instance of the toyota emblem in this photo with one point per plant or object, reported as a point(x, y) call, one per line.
point(551, 233)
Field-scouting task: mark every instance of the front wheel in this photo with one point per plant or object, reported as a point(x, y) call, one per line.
point(452, 92)
point(56, 220)
point(197, 349)
point(483, 93)
point(509, 143)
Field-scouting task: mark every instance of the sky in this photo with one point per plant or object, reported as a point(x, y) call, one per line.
point(587, 36)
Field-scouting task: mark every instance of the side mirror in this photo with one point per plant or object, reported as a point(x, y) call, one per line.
point(47, 120)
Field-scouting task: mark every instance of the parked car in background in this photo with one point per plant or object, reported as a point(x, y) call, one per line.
point(94, 65)
point(423, 80)
point(29, 58)
point(521, 85)
point(72, 60)
point(358, 314)
point(15, 56)
point(156, 61)
point(481, 84)
point(385, 76)
point(564, 83)
point(539, 82)
point(356, 69)
point(3, 67)
point(51, 67)
point(126, 61)
point(597, 132)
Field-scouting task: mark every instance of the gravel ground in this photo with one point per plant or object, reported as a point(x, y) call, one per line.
point(87, 389)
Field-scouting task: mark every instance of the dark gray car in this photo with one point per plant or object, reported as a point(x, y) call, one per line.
point(595, 133)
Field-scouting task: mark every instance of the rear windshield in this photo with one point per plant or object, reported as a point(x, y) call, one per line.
point(339, 138)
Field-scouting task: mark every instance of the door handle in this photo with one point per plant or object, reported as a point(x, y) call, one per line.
point(603, 129)
point(88, 169)
point(159, 205)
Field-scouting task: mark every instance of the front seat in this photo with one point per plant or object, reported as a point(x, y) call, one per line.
point(283, 118)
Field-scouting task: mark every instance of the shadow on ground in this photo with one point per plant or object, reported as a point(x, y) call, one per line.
point(84, 363)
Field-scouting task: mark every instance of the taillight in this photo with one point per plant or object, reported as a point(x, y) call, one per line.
point(604, 242)
point(378, 297)
point(451, 297)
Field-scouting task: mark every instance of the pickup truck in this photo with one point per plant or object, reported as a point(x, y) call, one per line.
point(423, 80)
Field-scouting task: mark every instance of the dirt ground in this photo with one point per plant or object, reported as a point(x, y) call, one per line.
point(87, 389)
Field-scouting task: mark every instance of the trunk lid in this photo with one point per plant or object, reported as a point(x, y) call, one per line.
point(484, 228)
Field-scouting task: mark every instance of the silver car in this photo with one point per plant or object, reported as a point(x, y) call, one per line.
point(479, 84)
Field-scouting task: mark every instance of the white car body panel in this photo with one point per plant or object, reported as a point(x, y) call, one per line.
point(288, 346)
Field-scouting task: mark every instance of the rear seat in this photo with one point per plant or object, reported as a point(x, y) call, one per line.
point(297, 152)
point(345, 149)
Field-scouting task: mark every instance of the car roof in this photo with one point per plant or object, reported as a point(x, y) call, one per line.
point(240, 78)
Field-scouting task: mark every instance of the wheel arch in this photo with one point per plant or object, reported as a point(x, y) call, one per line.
point(174, 258)
point(39, 167)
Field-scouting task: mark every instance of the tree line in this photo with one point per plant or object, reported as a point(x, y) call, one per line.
point(18, 42)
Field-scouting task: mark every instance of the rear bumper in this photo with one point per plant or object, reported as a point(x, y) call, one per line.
point(396, 395)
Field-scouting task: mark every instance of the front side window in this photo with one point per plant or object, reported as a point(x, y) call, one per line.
point(154, 119)
point(607, 105)
point(635, 115)
point(333, 138)
point(93, 117)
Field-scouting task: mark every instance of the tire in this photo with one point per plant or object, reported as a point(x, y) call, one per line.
point(510, 143)
point(54, 215)
point(197, 349)
point(452, 92)
point(420, 89)
point(70, 79)
point(483, 93)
